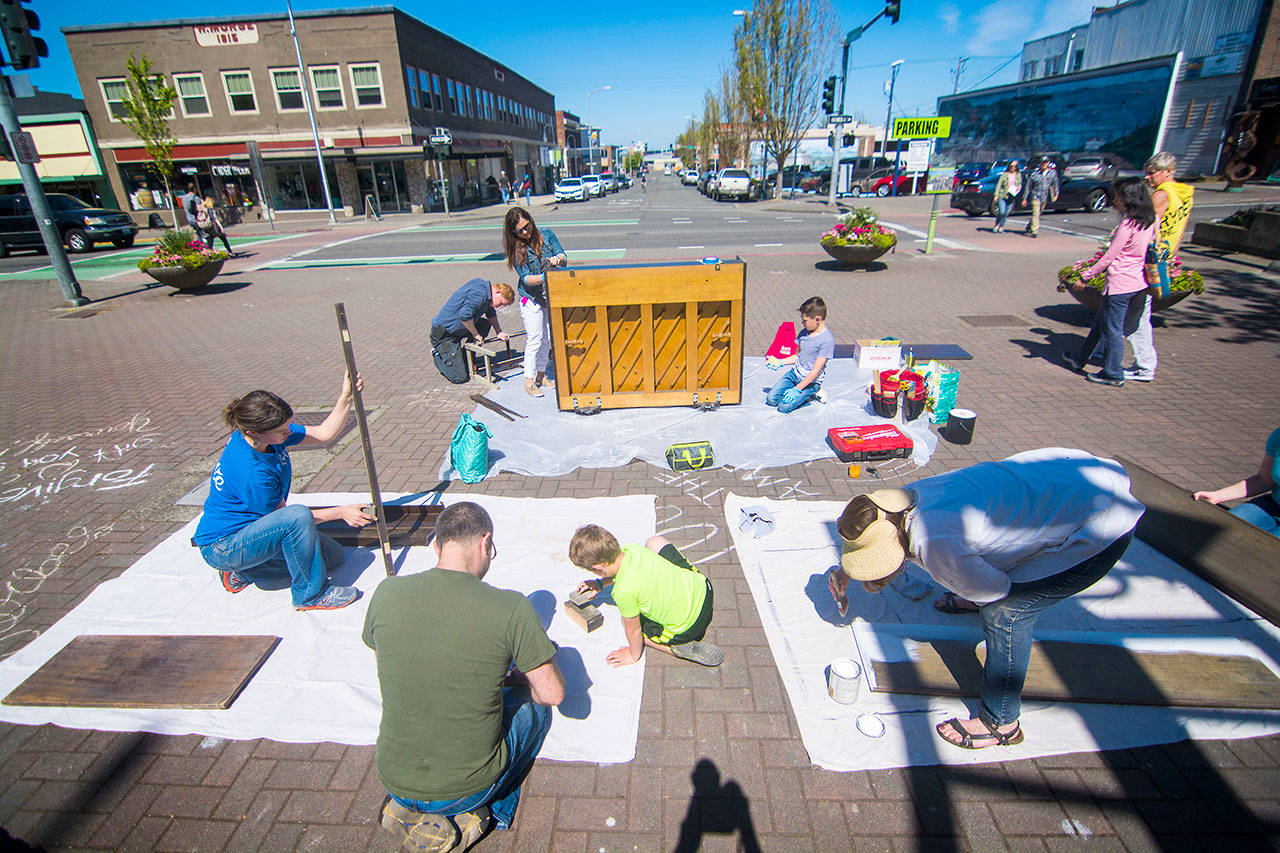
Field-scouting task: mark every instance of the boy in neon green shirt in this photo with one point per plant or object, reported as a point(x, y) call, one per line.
point(663, 600)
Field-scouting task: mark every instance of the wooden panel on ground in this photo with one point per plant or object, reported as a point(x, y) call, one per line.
point(1231, 554)
point(406, 525)
point(145, 671)
point(1086, 672)
point(647, 335)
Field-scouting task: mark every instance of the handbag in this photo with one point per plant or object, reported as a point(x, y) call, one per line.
point(469, 449)
point(690, 456)
point(1155, 273)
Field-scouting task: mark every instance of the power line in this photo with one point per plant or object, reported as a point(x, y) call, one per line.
point(993, 73)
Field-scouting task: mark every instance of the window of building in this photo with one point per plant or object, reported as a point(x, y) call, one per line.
point(366, 84)
point(288, 86)
point(191, 94)
point(240, 94)
point(1028, 70)
point(1077, 61)
point(411, 80)
point(1208, 108)
point(424, 89)
point(326, 84)
point(453, 103)
point(435, 92)
point(114, 93)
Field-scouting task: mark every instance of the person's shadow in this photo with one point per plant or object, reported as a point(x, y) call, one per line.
point(716, 809)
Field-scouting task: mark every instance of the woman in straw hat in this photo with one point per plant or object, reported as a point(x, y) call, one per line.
point(1013, 537)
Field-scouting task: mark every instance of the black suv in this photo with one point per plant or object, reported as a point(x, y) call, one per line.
point(80, 224)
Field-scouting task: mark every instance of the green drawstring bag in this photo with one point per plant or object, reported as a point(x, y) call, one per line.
point(469, 449)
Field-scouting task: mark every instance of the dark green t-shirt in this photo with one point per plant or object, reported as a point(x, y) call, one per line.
point(444, 641)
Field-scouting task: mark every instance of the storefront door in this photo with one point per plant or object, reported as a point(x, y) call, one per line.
point(385, 181)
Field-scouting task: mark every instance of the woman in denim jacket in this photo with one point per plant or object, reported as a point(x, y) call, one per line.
point(531, 252)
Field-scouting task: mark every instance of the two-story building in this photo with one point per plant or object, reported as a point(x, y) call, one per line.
point(378, 83)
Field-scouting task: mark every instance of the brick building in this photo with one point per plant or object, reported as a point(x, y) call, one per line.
point(380, 83)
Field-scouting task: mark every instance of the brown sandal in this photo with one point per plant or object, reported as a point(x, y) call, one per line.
point(970, 741)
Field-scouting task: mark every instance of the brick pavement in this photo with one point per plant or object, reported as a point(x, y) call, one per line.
point(138, 387)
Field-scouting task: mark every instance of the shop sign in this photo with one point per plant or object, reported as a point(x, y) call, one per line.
point(229, 170)
point(219, 35)
point(188, 170)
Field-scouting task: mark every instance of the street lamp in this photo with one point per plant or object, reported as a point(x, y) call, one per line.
point(590, 145)
point(884, 149)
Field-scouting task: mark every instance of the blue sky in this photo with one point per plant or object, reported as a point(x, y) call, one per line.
point(659, 62)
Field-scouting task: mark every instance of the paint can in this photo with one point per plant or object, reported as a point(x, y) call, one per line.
point(843, 679)
point(960, 424)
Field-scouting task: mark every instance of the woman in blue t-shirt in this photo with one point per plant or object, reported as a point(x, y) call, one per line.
point(247, 532)
point(1263, 511)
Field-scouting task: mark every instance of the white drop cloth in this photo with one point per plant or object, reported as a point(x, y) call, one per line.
point(1146, 602)
point(750, 435)
point(320, 683)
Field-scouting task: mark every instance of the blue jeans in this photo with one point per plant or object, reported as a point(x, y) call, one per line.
point(1108, 329)
point(1262, 512)
point(1003, 207)
point(786, 397)
point(1008, 624)
point(282, 542)
point(526, 724)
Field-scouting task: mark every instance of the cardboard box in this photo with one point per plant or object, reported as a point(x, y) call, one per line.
point(877, 355)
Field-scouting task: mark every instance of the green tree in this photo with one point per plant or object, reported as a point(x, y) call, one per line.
point(686, 146)
point(781, 48)
point(709, 130)
point(147, 109)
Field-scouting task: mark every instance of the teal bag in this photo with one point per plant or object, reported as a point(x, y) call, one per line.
point(469, 449)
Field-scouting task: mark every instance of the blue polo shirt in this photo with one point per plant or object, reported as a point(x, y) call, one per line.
point(246, 485)
point(470, 302)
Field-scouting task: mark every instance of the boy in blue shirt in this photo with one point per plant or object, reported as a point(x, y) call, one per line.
point(815, 344)
point(663, 600)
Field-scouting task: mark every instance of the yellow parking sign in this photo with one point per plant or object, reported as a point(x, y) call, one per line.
point(927, 127)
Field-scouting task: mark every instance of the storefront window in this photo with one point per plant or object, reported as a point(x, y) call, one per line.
point(297, 186)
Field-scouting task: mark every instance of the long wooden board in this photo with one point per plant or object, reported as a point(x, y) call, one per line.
point(380, 518)
point(1087, 672)
point(406, 525)
point(145, 671)
point(630, 336)
point(1231, 554)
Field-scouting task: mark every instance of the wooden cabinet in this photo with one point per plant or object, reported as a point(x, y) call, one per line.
point(647, 335)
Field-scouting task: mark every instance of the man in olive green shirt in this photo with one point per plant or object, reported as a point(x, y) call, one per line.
point(454, 745)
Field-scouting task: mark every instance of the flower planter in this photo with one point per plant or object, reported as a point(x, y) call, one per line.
point(1091, 299)
point(855, 255)
point(182, 278)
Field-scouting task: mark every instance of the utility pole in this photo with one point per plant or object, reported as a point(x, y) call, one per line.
point(306, 100)
point(896, 66)
point(960, 64)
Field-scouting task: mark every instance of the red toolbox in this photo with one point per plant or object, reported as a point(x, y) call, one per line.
point(869, 443)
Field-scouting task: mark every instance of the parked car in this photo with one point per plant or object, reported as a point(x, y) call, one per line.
point(977, 198)
point(624, 181)
point(595, 186)
point(817, 182)
point(709, 189)
point(976, 171)
point(79, 224)
point(1101, 167)
point(792, 176)
point(571, 189)
point(689, 177)
point(733, 183)
point(610, 182)
point(859, 169)
point(703, 178)
point(880, 182)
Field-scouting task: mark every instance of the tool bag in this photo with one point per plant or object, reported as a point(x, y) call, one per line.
point(469, 449)
point(690, 456)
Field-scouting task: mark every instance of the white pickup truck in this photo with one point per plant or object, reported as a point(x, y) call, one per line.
point(733, 183)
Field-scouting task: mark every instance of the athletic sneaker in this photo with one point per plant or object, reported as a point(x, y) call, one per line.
point(233, 582)
point(333, 598)
point(1138, 375)
point(1103, 380)
point(706, 654)
point(1072, 362)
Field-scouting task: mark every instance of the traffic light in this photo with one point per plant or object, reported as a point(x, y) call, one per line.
point(829, 95)
point(892, 9)
point(17, 22)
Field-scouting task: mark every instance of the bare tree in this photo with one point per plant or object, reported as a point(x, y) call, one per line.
point(709, 130)
point(148, 108)
point(687, 144)
point(781, 48)
point(733, 130)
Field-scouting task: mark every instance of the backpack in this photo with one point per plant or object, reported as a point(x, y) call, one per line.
point(451, 361)
point(203, 218)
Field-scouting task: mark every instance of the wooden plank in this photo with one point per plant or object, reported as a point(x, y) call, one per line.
point(145, 671)
point(406, 525)
point(1231, 554)
point(380, 518)
point(1087, 672)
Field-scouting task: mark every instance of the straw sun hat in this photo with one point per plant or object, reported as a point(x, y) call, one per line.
point(878, 552)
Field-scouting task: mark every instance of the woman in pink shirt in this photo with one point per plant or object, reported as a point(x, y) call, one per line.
point(1123, 264)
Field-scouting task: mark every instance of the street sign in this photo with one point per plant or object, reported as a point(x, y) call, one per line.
point(841, 119)
point(928, 127)
point(940, 180)
point(441, 137)
point(24, 147)
point(918, 155)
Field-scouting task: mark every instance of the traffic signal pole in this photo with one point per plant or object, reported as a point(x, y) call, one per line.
point(891, 10)
point(40, 206)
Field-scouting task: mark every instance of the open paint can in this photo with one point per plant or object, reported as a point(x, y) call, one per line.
point(843, 678)
point(960, 426)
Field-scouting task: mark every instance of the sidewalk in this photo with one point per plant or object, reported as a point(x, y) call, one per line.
point(137, 384)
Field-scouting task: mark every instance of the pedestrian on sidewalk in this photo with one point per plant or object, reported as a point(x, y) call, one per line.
point(212, 227)
point(1007, 189)
point(1041, 189)
point(1009, 539)
point(191, 207)
point(1123, 263)
point(531, 253)
point(527, 190)
point(504, 186)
